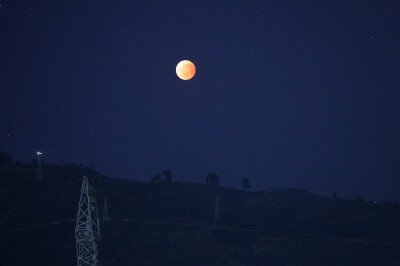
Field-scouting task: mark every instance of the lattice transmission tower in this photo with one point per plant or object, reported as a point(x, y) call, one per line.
point(87, 230)
point(216, 214)
point(39, 172)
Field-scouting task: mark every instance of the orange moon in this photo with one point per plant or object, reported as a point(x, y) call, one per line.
point(185, 70)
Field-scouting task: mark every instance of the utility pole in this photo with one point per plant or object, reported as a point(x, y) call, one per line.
point(216, 214)
point(39, 172)
point(105, 212)
point(87, 230)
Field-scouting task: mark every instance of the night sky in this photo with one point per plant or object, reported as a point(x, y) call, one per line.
point(291, 94)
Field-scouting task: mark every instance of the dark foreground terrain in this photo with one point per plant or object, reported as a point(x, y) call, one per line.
point(172, 223)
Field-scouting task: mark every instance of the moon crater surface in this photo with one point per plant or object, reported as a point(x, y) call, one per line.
point(185, 70)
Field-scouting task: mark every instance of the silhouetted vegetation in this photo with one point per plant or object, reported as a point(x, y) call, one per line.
point(245, 183)
point(5, 159)
point(359, 199)
point(167, 175)
point(156, 178)
point(212, 180)
point(346, 226)
point(334, 195)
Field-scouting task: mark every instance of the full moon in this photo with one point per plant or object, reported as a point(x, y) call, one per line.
point(185, 70)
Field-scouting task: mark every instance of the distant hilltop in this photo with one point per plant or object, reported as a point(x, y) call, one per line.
point(295, 193)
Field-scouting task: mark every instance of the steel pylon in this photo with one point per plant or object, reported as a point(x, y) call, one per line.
point(87, 230)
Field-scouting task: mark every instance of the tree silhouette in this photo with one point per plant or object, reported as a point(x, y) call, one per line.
point(245, 183)
point(359, 199)
point(156, 178)
point(334, 195)
point(167, 174)
point(212, 179)
point(5, 159)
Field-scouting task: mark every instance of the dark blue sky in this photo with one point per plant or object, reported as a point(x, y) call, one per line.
point(288, 94)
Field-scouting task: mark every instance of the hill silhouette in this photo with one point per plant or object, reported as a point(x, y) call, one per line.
point(171, 223)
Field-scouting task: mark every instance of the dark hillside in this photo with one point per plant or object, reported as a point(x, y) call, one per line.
point(172, 223)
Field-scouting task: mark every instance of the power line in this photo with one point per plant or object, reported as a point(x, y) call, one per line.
point(201, 188)
point(163, 184)
point(45, 198)
point(198, 225)
point(217, 227)
point(212, 195)
point(35, 187)
point(36, 226)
